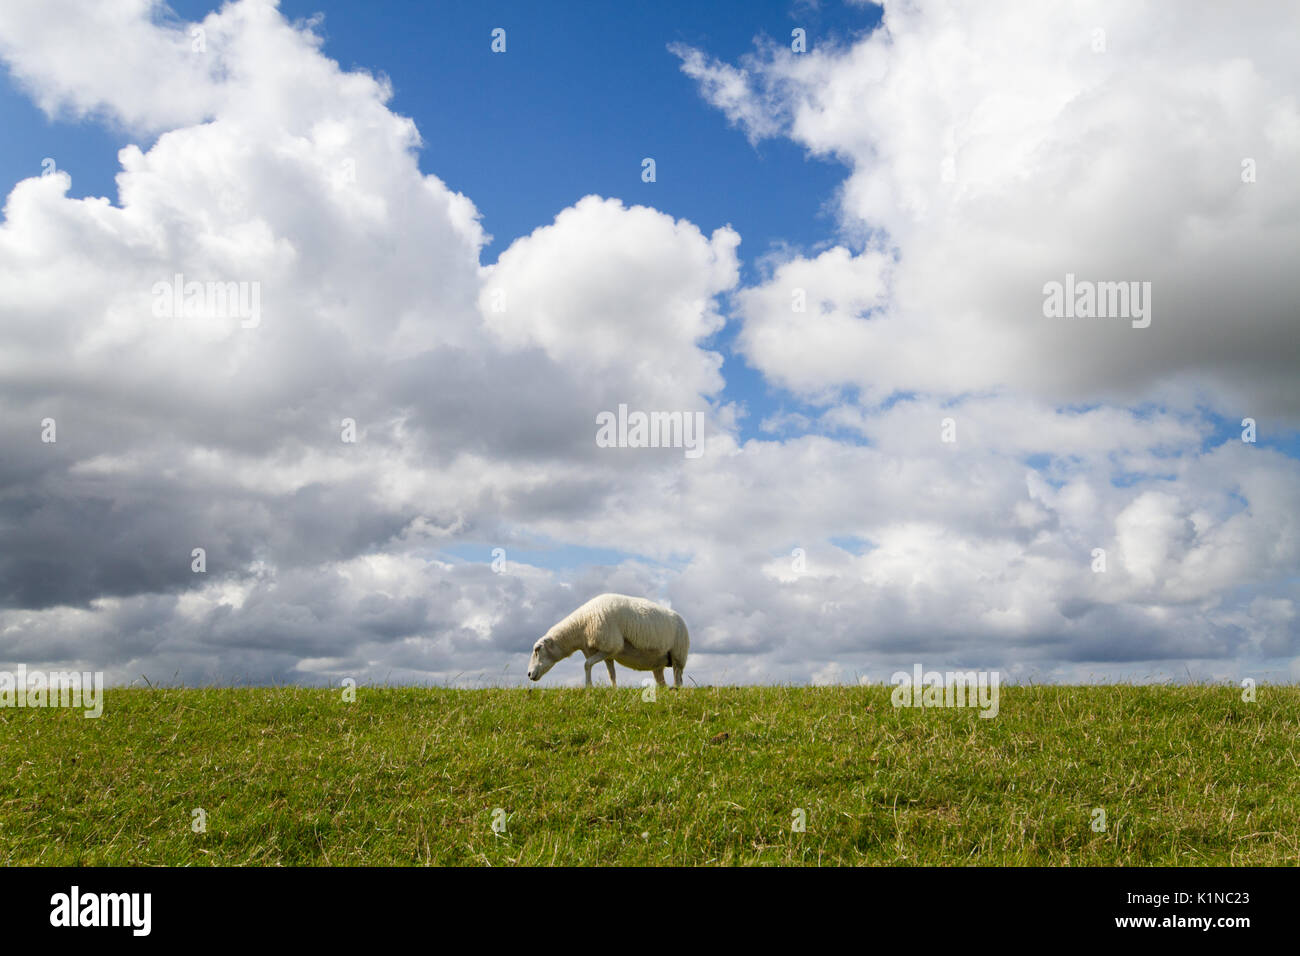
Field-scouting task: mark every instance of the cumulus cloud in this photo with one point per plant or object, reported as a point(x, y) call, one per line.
point(996, 148)
point(851, 540)
point(564, 289)
point(277, 170)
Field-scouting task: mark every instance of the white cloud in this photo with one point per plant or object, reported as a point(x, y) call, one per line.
point(992, 149)
point(328, 559)
point(623, 293)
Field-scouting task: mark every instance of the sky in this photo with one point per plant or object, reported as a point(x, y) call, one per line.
point(841, 264)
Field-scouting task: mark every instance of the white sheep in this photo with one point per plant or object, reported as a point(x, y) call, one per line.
point(614, 627)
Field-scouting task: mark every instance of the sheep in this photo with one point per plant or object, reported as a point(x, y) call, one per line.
point(614, 627)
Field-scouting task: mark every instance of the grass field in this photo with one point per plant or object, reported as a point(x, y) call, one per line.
point(1185, 775)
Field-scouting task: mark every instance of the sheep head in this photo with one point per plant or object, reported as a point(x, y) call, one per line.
point(543, 659)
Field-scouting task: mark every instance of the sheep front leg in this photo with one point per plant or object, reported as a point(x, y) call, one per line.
point(659, 677)
point(677, 675)
point(592, 661)
point(610, 664)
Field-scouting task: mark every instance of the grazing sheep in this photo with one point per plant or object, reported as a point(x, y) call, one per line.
point(614, 627)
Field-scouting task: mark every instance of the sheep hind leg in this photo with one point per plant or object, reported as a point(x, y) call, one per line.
point(610, 664)
point(677, 674)
point(659, 677)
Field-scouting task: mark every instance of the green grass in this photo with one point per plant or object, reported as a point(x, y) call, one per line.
point(1186, 775)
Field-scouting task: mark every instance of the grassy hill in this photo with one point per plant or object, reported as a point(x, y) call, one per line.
point(1185, 775)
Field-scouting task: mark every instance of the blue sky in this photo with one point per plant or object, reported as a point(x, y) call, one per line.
point(1074, 435)
point(525, 139)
